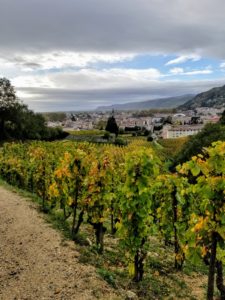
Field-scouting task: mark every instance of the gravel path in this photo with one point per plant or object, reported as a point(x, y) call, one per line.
point(35, 264)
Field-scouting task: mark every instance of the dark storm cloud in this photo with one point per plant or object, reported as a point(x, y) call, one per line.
point(68, 99)
point(106, 26)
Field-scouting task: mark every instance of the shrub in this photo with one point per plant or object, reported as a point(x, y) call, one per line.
point(120, 142)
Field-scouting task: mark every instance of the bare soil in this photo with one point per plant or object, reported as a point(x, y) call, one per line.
point(35, 262)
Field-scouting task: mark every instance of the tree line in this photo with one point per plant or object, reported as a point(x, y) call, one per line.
point(18, 122)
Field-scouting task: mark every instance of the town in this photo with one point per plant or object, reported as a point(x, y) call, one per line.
point(159, 123)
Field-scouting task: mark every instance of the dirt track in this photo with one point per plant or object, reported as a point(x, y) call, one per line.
point(35, 264)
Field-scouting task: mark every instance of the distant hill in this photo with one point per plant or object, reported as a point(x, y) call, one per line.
point(170, 102)
point(212, 98)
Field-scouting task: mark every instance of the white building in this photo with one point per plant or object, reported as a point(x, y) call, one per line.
point(171, 132)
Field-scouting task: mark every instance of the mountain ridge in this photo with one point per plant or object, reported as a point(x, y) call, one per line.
point(214, 97)
point(168, 102)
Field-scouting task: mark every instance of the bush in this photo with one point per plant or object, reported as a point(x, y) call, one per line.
point(149, 138)
point(121, 131)
point(120, 142)
point(146, 132)
point(196, 143)
point(106, 136)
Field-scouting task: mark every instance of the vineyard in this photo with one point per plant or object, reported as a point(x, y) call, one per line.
point(172, 147)
point(129, 194)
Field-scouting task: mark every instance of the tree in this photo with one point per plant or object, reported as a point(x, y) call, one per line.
point(168, 120)
point(18, 122)
point(101, 125)
point(196, 143)
point(112, 126)
point(222, 119)
point(55, 116)
point(9, 105)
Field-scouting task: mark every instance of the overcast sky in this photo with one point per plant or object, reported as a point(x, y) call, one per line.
point(80, 54)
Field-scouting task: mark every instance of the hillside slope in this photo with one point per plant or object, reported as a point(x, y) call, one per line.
point(211, 98)
point(170, 102)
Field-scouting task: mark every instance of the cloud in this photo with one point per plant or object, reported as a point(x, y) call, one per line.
point(60, 99)
point(77, 53)
point(62, 59)
point(86, 89)
point(176, 71)
point(99, 26)
point(222, 65)
point(183, 59)
point(198, 72)
point(181, 71)
point(86, 79)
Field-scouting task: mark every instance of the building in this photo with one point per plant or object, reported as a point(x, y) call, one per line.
point(171, 132)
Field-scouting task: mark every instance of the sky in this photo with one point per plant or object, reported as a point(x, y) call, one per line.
point(64, 55)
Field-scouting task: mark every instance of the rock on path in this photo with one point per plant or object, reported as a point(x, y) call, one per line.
point(34, 264)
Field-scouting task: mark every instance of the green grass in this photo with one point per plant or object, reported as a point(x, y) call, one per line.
point(107, 276)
